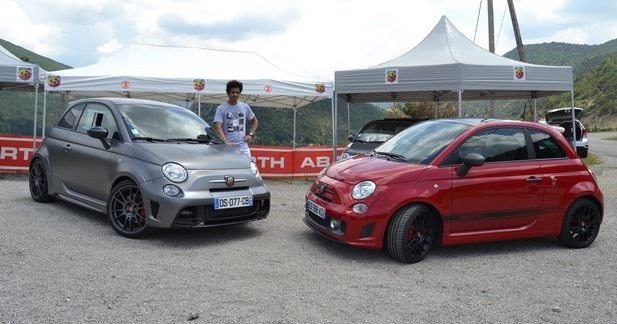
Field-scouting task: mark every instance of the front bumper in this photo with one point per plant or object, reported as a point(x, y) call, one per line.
point(194, 206)
point(366, 231)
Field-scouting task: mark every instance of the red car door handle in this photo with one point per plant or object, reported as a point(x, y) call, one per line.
point(534, 179)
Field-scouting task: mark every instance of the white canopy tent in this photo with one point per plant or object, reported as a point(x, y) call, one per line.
point(190, 74)
point(16, 74)
point(447, 66)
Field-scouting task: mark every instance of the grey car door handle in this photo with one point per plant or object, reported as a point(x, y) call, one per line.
point(67, 147)
point(534, 179)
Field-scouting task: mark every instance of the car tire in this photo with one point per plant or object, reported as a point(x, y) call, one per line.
point(38, 182)
point(583, 153)
point(581, 224)
point(126, 210)
point(411, 233)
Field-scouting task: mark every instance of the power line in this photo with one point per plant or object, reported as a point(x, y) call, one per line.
point(477, 21)
point(501, 24)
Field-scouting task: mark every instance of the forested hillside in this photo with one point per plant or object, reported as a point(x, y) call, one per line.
point(595, 79)
point(582, 58)
point(313, 122)
point(28, 56)
point(595, 91)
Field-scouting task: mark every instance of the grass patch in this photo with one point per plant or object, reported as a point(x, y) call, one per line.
point(592, 159)
point(614, 138)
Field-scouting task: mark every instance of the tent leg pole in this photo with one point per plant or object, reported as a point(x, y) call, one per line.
point(199, 105)
point(573, 121)
point(294, 140)
point(348, 119)
point(36, 104)
point(535, 110)
point(44, 115)
point(334, 102)
point(460, 98)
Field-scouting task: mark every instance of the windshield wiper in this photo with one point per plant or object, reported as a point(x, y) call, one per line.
point(188, 139)
point(149, 139)
point(392, 156)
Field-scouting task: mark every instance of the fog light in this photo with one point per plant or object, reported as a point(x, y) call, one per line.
point(189, 211)
point(359, 208)
point(335, 225)
point(171, 190)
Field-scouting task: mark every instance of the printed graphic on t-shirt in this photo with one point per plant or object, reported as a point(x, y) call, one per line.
point(234, 121)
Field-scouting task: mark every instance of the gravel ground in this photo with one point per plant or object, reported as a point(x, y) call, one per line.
point(63, 264)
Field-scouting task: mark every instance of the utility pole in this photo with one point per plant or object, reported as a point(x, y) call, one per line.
point(492, 110)
point(521, 52)
point(517, 32)
point(491, 27)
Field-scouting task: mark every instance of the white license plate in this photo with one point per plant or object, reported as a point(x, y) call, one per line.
point(316, 209)
point(233, 202)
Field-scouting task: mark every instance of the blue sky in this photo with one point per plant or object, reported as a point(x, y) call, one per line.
point(311, 38)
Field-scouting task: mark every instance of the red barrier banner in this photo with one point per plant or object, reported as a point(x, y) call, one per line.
point(15, 152)
point(287, 162)
point(272, 161)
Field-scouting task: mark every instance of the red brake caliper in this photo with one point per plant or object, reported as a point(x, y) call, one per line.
point(141, 211)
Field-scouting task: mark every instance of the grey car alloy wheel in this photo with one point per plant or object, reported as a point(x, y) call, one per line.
point(38, 182)
point(126, 211)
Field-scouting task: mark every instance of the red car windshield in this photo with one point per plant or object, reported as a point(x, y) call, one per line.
point(422, 142)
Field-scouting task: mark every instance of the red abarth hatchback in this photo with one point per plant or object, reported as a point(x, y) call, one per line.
point(456, 181)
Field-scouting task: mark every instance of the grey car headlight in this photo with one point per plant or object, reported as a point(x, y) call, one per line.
point(174, 172)
point(255, 170)
point(363, 189)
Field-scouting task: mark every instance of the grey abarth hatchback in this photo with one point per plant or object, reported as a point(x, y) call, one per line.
point(146, 165)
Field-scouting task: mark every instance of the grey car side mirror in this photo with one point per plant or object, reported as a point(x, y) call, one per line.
point(100, 133)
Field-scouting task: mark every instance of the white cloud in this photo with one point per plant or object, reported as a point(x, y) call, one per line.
point(19, 27)
point(108, 48)
point(312, 38)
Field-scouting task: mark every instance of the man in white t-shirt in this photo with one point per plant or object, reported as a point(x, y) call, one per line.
point(230, 119)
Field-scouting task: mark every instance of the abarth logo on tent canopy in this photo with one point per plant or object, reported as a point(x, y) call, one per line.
point(519, 73)
point(53, 81)
point(125, 84)
point(199, 84)
point(391, 75)
point(24, 73)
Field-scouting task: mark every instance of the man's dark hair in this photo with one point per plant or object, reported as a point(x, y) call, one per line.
point(233, 84)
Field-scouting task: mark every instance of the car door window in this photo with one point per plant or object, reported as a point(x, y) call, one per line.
point(70, 118)
point(545, 146)
point(98, 115)
point(497, 145)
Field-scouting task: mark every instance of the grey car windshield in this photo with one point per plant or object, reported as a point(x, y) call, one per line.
point(375, 133)
point(422, 142)
point(164, 122)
